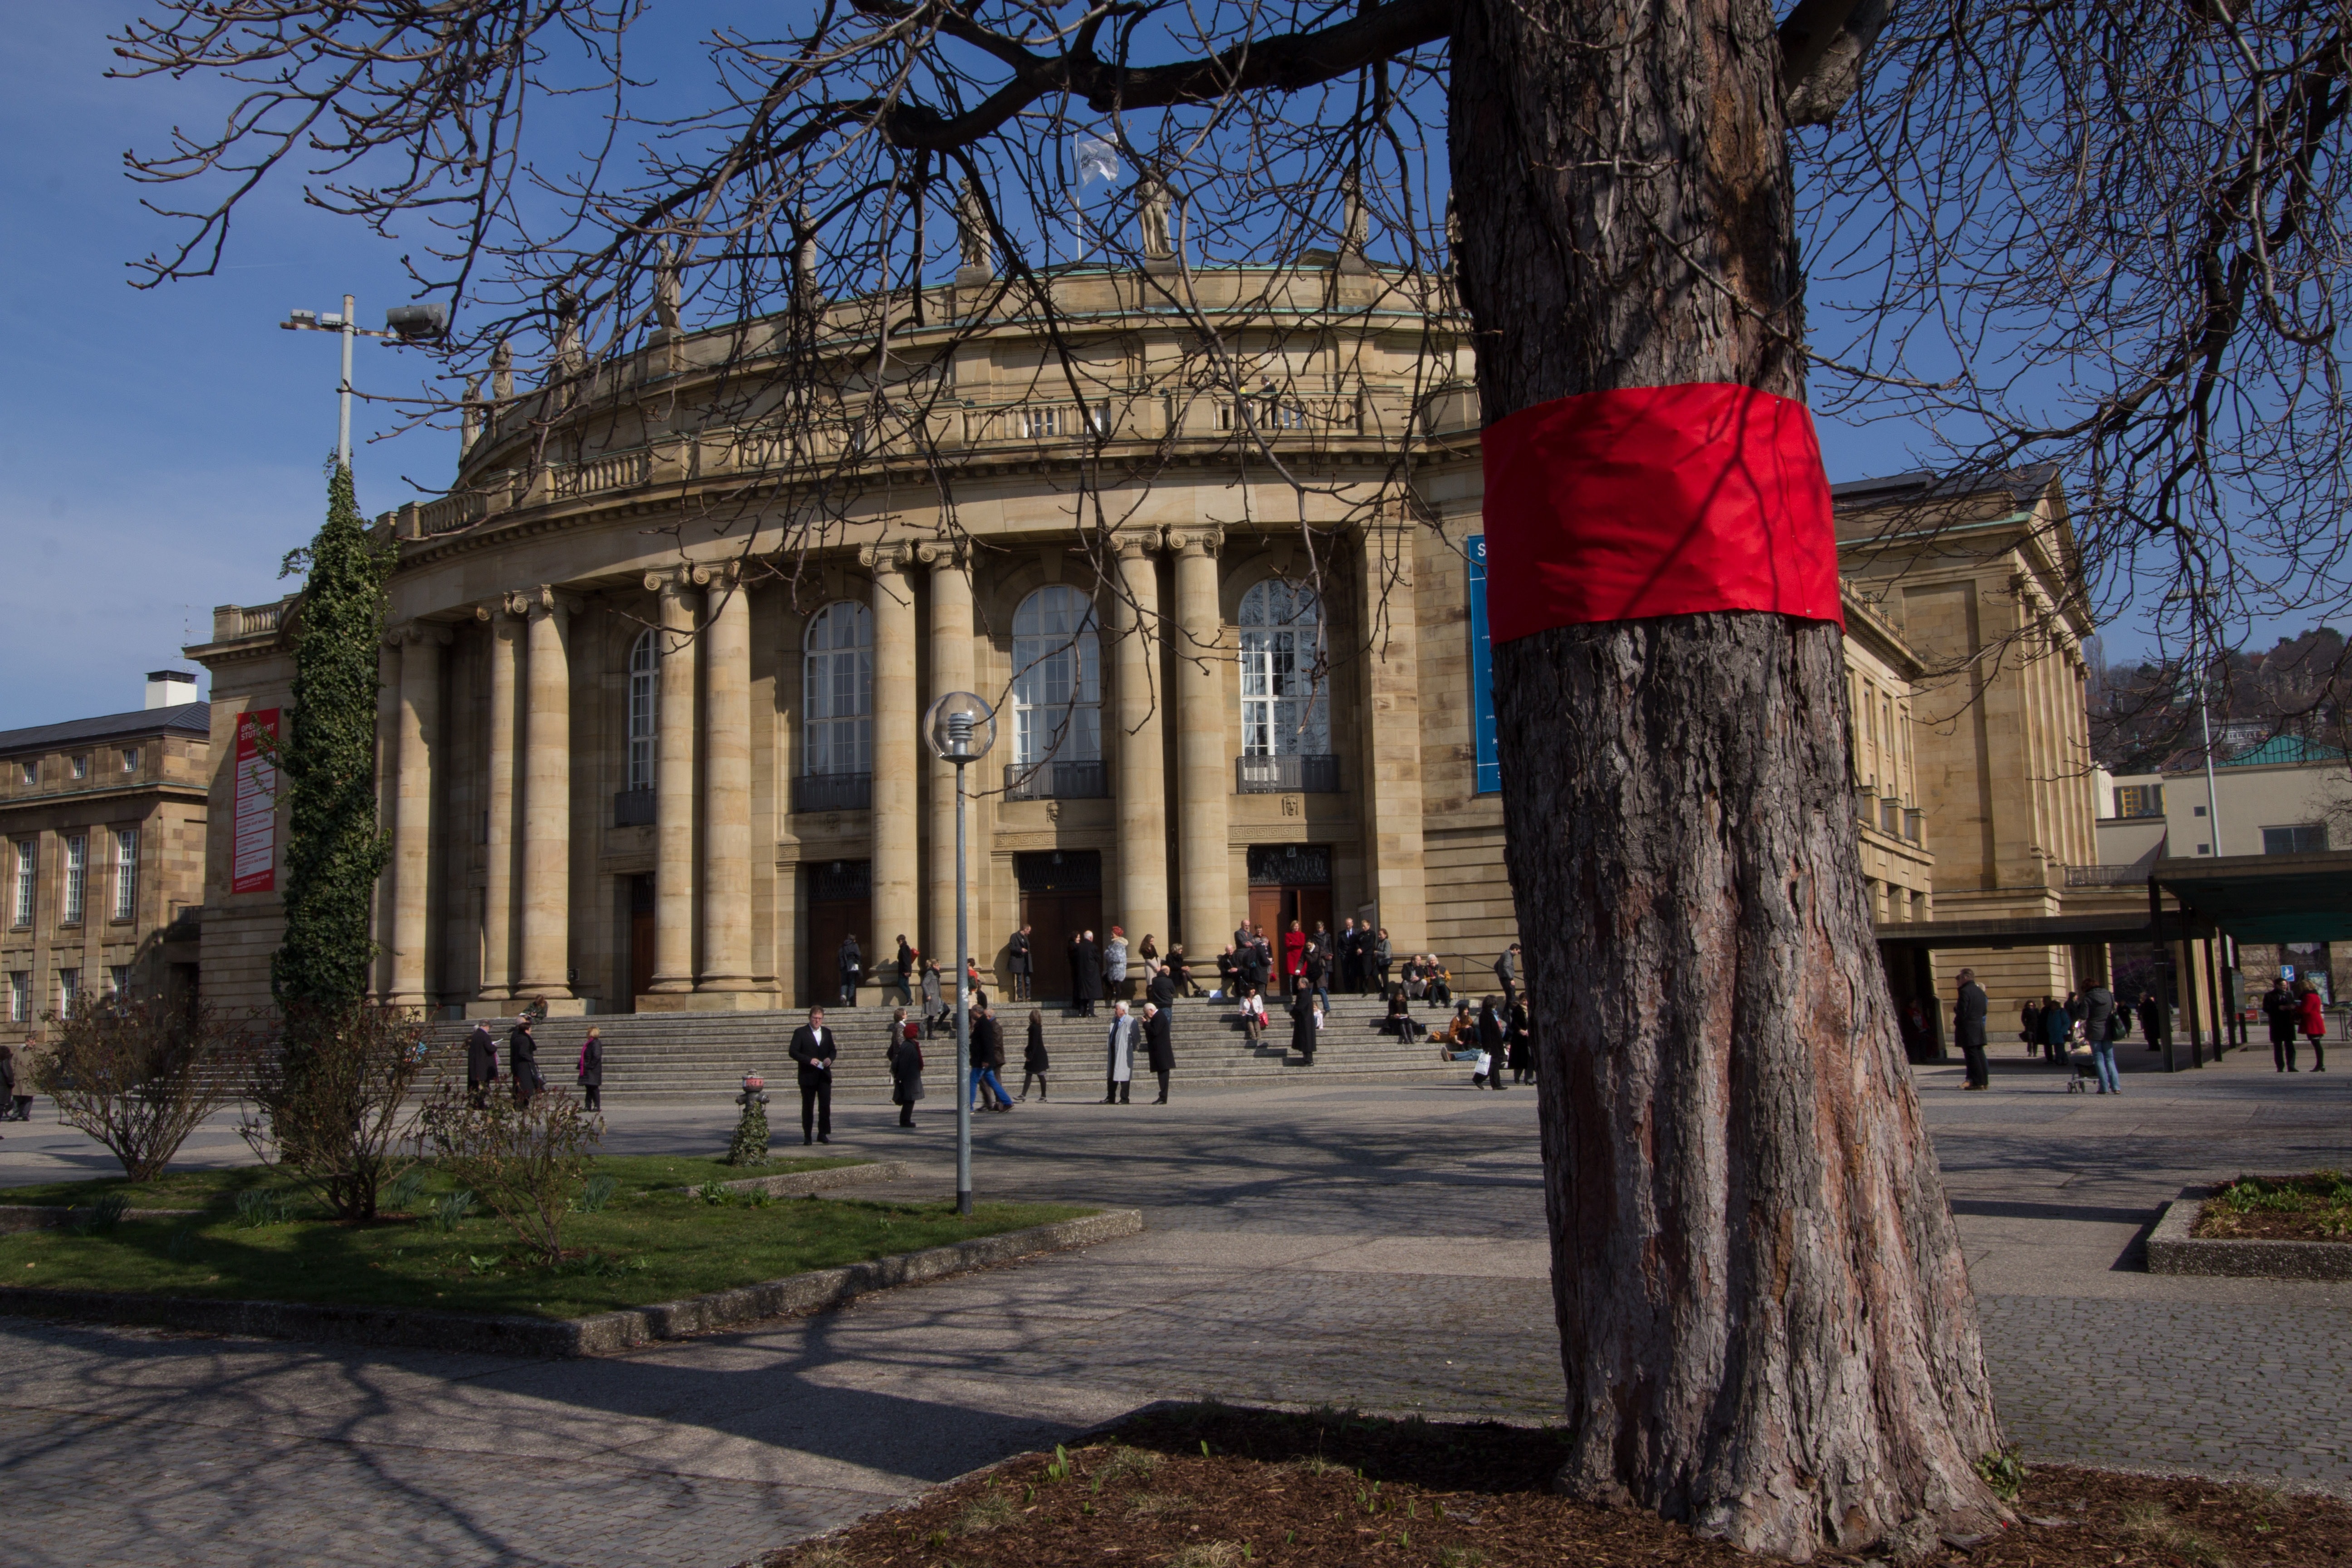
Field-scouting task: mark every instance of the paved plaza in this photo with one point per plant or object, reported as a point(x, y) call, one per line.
point(1373, 1246)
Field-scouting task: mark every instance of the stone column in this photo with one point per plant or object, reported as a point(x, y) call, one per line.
point(727, 789)
point(547, 805)
point(498, 887)
point(1390, 624)
point(675, 645)
point(897, 821)
point(952, 671)
point(387, 806)
point(1204, 776)
point(1141, 782)
point(412, 833)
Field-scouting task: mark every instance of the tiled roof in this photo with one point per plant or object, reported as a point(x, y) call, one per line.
point(183, 718)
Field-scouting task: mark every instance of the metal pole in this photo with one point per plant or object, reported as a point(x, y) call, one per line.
point(963, 1023)
point(343, 415)
point(2213, 998)
point(2212, 795)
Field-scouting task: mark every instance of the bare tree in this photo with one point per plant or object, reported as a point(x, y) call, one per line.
point(2073, 232)
point(140, 1074)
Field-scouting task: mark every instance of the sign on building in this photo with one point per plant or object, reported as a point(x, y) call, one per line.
point(1482, 671)
point(253, 841)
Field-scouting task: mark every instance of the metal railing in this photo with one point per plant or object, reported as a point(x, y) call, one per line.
point(1056, 781)
point(2107, 875)
point(632, 808)
point(1300, 774)
point(832, 792)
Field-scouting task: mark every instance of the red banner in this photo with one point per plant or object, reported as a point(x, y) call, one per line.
point(253, 838)
point(1658, 501)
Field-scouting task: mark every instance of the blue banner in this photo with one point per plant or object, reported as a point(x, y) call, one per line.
point(1481, 672)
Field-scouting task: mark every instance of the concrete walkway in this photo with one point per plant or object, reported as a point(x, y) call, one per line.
point(1381, 1246)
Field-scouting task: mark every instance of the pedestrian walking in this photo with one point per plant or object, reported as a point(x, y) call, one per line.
point(1969, 1029)
point(852, 964)
point(813, 1051)
point(1086, 973)
point(591, 1071)
point(905, 1058)
point(1506, 974)
point(907, 969)
point(2285, 1016)
point(935, 1008)
point(1306, 1027)
point(1019, 963)
point(481, 1065)
point(2029, 1027)
point(522, 1062)
point(1119, 1048)
point(1033, 1061)
point(987, 1061)
point(2100, 1026)
point(1159, 1045)
point(2315, 1023)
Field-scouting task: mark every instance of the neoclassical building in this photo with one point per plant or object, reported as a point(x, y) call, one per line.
point(655, 668)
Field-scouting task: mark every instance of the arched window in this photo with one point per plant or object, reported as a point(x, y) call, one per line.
point(1057, 678)
point(838, 688)
point(1285, 709)
point(643, 675)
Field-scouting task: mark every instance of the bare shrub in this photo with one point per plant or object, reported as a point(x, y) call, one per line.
point(139, 1074)
point(330, 1105)
point(528, 1162)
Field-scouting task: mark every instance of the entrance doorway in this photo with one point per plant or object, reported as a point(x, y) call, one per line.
point(1061, 895)
point(840, 904)
point(641, 937)
point(1288, 882)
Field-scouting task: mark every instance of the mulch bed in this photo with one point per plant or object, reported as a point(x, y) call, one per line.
point(1330, 1487)
point(2314, 1205)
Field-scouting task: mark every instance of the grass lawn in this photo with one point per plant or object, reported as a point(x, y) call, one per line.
point(204, 1189)
point(650, 1243)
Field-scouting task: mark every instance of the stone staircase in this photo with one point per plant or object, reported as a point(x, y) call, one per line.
point(703, 1056)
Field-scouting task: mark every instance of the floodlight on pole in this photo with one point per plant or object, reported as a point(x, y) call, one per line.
point(402, 325)
point(961, 728)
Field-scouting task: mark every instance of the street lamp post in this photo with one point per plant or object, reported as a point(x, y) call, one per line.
point(402, 325)
point(962, 728)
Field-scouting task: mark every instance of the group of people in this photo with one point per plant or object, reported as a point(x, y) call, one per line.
point(2092, 1018)
point(2295, 1010)
point(522, 1076)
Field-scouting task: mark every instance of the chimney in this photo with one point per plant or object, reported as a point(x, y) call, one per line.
point(169, 688)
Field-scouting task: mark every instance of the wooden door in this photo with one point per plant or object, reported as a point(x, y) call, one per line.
point(641, 937)
point(829, 921)
point(1053, 919)
point(1308, 905)
point(1265, 910)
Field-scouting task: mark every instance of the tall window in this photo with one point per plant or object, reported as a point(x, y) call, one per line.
point(1285, 711)
point(117, 980)
point(643, 673)
point(77, 878)
point(126, 873)
point(1057, 678)
point(68, 989)
point(20, 997)
point(838, 688)
point(27, 859)
point(130, 758)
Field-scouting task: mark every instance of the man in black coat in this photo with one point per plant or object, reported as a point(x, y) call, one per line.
point(1086, 973)
point(1355, 959)
point(481, 1063)
point(852, 964)
point(2283, 1009)
point(1017, 963)
point(1160, 1042)
point(813, 1049)
point(1969, 1029)
point(522, 1061)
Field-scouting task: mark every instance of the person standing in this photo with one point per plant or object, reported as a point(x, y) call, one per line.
point(23, 1103)
point(592, 1069)
point(1033, 1061)
point(1518, 1042)
point(987, 1061)
point(2315, 1023)
point(1969, 1029)
point(8, 1081)
point(2155, 1021)
point(1159, 1045)
point(1380, 955)
point(1356, 954)
point(2029, 1027)
point(2099, 1026)
point(1305, 1025)
point(851, 963)
point(907, 973)
point(1119, 1069)
point(1313, 980)
point(1086, 973)
point(1506, 974)
point(1490, 1042)
point(1018, 962)
point(813, 1049)
point(935, 1008)
point(481, 1065)
point(2285, 1016)
point(522, 1061)
point(2057, 1030)
point(1293, 957)
point(1115, 964)
point(905, 1061)
point(1162, 989)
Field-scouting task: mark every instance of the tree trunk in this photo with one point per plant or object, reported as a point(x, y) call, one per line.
point(1765, 1320)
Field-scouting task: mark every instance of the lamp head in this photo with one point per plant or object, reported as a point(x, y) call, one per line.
point(959, 728)
point(418, 323)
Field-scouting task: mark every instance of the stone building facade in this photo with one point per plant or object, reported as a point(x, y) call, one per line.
point(656, 669)
point(103, 830)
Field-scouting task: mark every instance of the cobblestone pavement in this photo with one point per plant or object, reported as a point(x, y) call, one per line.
point(1377, 1246)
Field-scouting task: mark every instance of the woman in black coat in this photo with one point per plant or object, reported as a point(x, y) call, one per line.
point(1032, 1056)
point(906, 1058)
point(1306, 1023)
point(592, 1069)
point(1519, 1040)
point(1490, 1040)
point(1087, 976)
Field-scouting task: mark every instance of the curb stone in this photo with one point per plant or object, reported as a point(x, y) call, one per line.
point(799, 1184)
point(2171, 1249)
point(604, 1333)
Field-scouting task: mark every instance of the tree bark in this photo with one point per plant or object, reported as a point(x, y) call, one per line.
point(1765, 1319)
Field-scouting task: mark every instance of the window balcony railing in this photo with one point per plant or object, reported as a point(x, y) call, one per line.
point(632, 808)
point(1310, 774)
point(832, 792)
point(1056, 781)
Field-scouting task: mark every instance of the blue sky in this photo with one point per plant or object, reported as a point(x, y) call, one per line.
point(161, 450)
